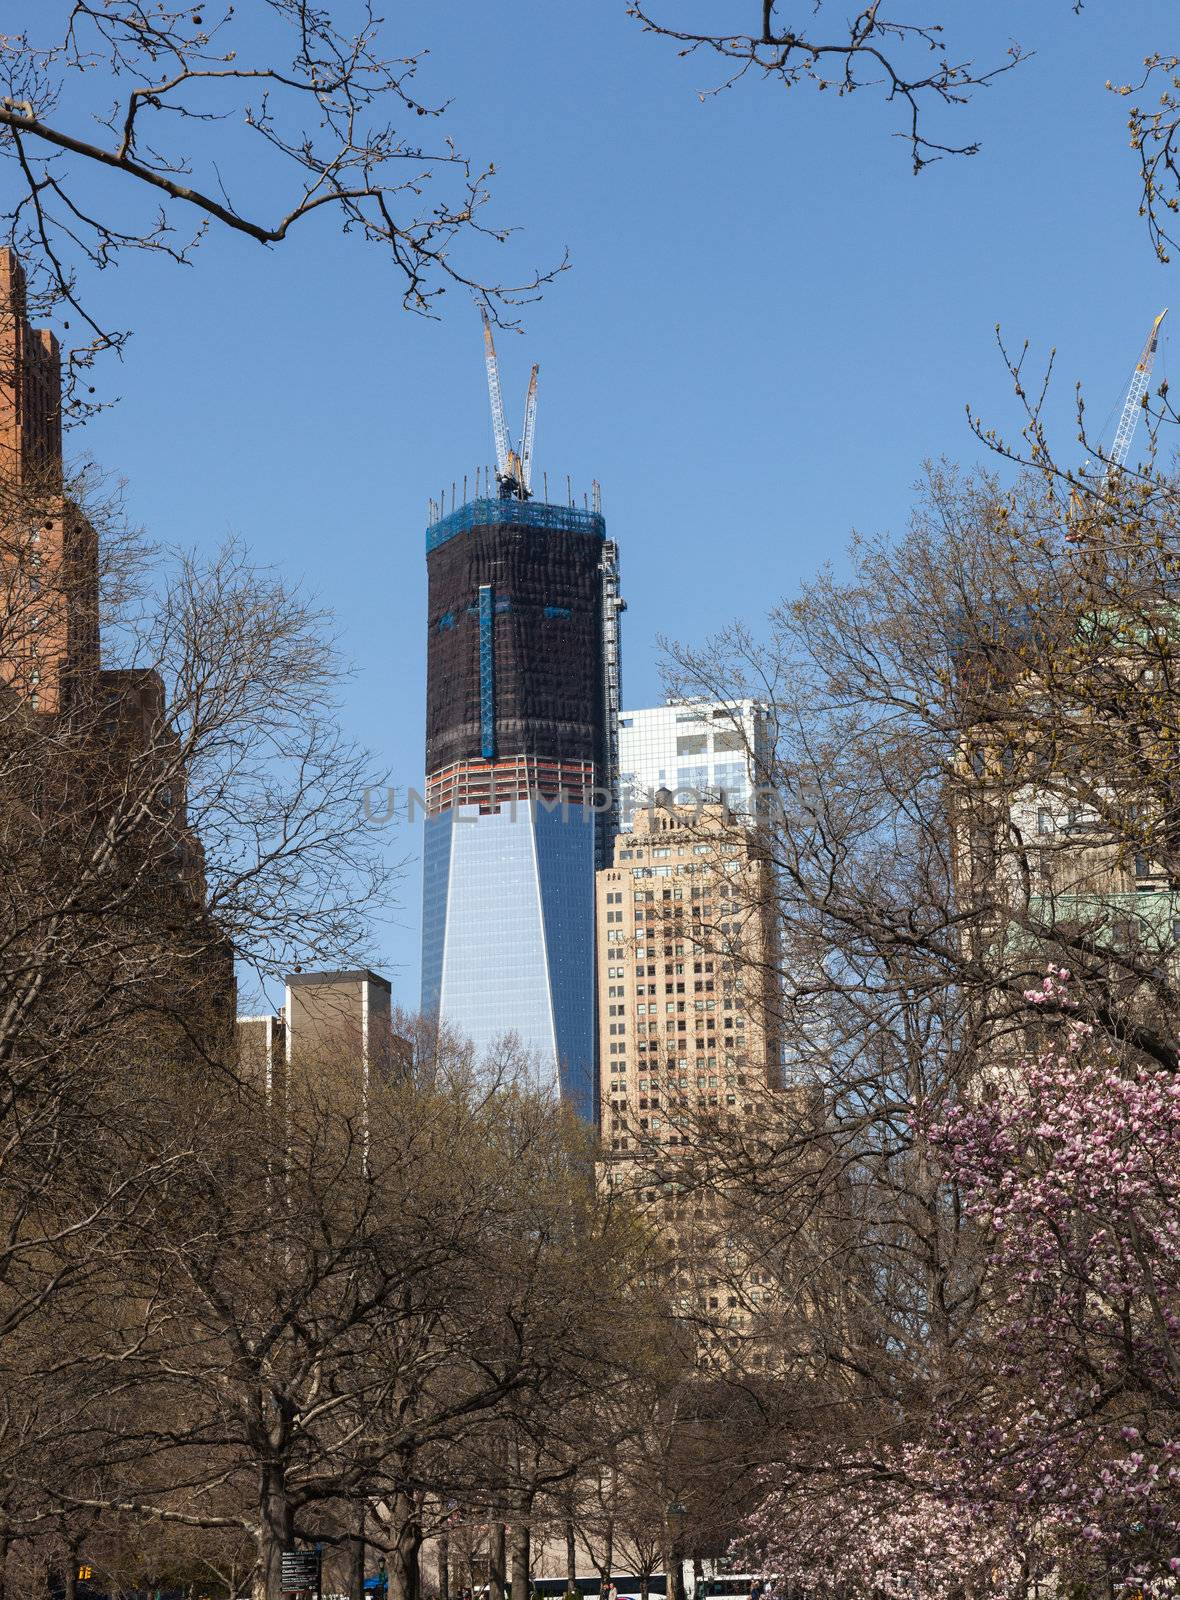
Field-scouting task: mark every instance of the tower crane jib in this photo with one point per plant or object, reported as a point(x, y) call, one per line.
point(514, 472)
point(499, 426)
point(528, 433)
point(1133, 404)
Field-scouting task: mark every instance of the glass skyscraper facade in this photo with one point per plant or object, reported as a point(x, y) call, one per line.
point(508, 934)
point(699, 750)
point(518, 780)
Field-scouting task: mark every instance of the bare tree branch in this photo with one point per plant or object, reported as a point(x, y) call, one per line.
point(905, 63)
point(306, 122)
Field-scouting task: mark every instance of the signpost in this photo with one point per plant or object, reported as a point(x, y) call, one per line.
point(302, 1572)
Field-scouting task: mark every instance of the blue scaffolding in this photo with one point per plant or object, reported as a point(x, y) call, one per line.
point(488, 513)
point(487, 692)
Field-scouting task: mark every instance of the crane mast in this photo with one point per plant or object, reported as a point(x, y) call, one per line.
point(514, 472)
point(499, 426)
point(528, 432)
point(1133, 404)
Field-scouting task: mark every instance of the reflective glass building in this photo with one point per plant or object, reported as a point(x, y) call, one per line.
point(700, 750)
point(521, 695)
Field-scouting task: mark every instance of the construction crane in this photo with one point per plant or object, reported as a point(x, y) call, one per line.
point(1123, 434)
point(514, 472)
point(499, 426)
point(1133, 404)
point(528, 431)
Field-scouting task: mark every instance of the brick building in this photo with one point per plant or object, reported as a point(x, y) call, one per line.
point(98, 744)
point(49, 557)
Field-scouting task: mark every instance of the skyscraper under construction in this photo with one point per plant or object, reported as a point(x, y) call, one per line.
point(521, 706)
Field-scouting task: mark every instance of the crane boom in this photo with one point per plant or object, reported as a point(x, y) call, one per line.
point(499, 426)
point(1133, 404)
point(528, 432)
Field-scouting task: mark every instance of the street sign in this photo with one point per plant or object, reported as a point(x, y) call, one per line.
point(301, 1572)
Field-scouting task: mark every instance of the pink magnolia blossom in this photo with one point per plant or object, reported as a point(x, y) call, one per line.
point(1070, 1461)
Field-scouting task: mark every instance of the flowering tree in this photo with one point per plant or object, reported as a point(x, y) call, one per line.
point(897, 1524)
point(1066, 1455)
point(1077, 1178)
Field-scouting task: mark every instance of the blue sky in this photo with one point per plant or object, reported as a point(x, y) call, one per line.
point(768, 324)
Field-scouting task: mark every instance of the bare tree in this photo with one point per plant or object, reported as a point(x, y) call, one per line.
point(906, 63)
point(128, 126)
point(348, 1297)
point(1154, 127)
point(973, 776)
point(119, 928)
point(913, 66)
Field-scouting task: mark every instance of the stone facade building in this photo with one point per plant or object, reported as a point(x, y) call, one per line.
point(686, 974)
point(689, 1055)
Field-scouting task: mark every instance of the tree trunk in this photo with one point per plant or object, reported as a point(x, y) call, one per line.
point(444, 1566)
point(676, 1568)
point(71, 1572)
point(571, 1558)
point(497, 1561)
point(356, 1559)
point(519, 1546)
point(403, 1568)
point(276, 1533)
point(608, 1555)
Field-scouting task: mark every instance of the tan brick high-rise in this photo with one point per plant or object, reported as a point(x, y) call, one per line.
point(688, 984)
point(685, 974)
